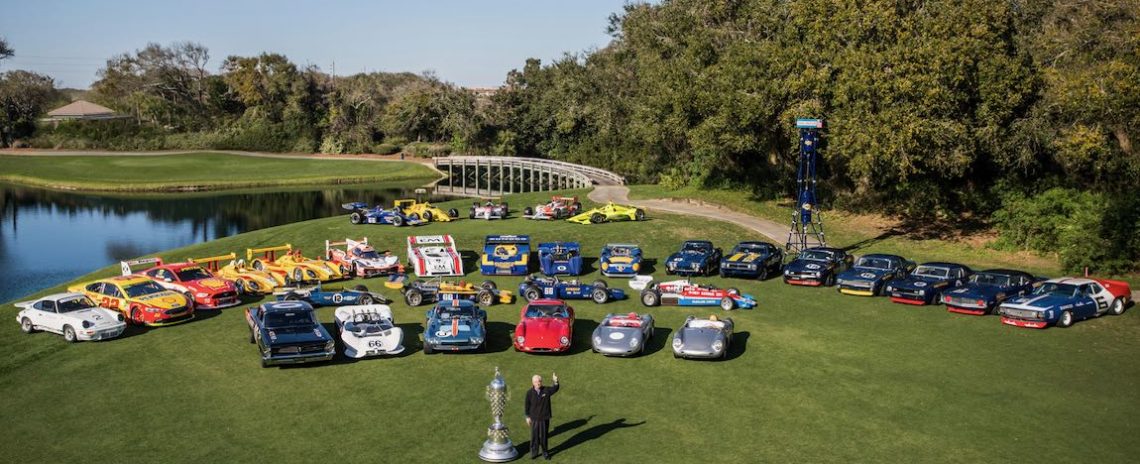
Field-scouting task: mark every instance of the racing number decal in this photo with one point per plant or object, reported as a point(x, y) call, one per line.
point(1101, 303)
point(337, 298)
point(110, 303)
point(375, 344)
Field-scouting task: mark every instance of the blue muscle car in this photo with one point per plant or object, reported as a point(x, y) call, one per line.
point(695, 257)
point(620, 260)
point(752, 260)
point(455, 325)
point(927, 283)
point(319, 295)
point(287, 332)
point(362, 214)
point(817, 266)
point(871, 273)
point(1060, 302)
point(560, 258)
point(988, 289)
point(505, 255)
point(537, 287)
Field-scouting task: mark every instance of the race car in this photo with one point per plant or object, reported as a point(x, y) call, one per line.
point(140, 299)
point(685, 293)
point(193, 281)
point(362, 214)
point(505, 255)
point(368, 331)
point(293, 265)
point(318, 295)
point(72, 315)
point(416, 210)
point(696, 257)
point(986, 290)
point(361, 260)
point(455, 325)
point(927, 282)
point(536, 287)
point(817, 266)
point(245, 278)
point(871, 273)
point(622, 334)
point(488, 209)
point(486, 294)
point(620, 260)
point(703, 338)
point(609, 212)
point(560, 258)
point(752, 260)
point(557, 208)
point(434, 256)
point(1062, 301)
point(545, 326)
point(287, 332)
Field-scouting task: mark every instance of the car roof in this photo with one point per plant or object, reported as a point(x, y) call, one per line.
point(883, 255)
point(699, 241)
point(61, 296)
point(755, 242)
point(941, 264)
point(127, 279)
point(273, 306)
point(1009, 272)
point(1072, 280)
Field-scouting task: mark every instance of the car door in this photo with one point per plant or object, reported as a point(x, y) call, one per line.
point(1085, 306)
point(113, 297)
point(43, 316)
point(1100, 297)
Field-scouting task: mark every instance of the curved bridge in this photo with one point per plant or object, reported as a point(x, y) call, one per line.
point(492, 176)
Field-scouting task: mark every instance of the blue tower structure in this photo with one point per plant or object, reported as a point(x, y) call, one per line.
point(807, 223)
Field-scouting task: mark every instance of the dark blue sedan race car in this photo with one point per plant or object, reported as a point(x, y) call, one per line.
point(871, 273)
point(988, 289)
point(752, 260)
point(817, 266)
point(696, 257)
point(927, 283)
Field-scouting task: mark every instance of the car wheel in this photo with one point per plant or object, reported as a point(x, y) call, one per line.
point(506, 210)
point(427, 216)
point(69, 334)
point(472, 215)
point(398, 220)
point(830, 280)
point(650, 298)
point(1117, 307)
point(360, 288)
point(485, 298)
point(26, 326)
point(427, 348)
point(1065, 320)
point(264, 363)
point(292, 297)
point(298, 275)
point(601, 283)
point(355, 218)
point(454, 213)
point(598, 218)
point(532, 293)
point(727, 304)
point(488, 285)
point(135, 316)
point(577, 206)
point(413, 297)
point(366, 300)
point(639, 215)
point(258, 265)
point(600, 295)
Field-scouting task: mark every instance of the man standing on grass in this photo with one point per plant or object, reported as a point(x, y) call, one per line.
point(538, 414)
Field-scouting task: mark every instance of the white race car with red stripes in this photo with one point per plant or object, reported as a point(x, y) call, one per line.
point(434, 256)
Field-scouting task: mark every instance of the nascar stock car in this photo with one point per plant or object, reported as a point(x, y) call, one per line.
point(536, 287)
point(752, 260)
point(927, 283)
point(319, 295)
point(608, 213)
point(245, 277)
point(455, 325)
point(287, 332)
point(685, 293)
point(72, 315)
point(416, 210)
point(620, 260)
point(545, 326)
point(696, 257)
point(139, 298)
point(292, 265)
point(987, 289)
point(190, 279)
point(557, 208)
point(505, 255)
point(488, 209)
point(703, 338)
point(368, 331)
point(560, 258)
point(622, 334)
point(871, 273)
point(434, 256)
point(817, 266)
point(1062, 301)
point(486, 294)
point(361, 260)
point(362, 214)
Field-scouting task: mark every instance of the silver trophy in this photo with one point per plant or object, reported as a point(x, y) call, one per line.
point(498, 447)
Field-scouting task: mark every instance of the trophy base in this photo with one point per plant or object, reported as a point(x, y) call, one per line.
point(498, 452)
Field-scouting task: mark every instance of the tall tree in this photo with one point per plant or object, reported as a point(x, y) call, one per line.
point(6, 50)
point(24, 97)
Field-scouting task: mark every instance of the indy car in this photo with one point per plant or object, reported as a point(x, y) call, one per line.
point(608, 213)
point(362, 214)
point(488, 209)
point(435, 290)
point(319, 295)
point(557, 208)
point(536, 287)
point(686, 293)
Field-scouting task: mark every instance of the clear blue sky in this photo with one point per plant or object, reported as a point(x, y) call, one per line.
point(471, 43)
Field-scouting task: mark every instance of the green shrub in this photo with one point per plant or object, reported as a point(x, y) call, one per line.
point(386, 148)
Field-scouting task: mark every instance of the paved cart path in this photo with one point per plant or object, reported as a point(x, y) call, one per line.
point(620, 194)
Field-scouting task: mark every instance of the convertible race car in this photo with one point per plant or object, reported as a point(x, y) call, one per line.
point(988, 289)
point(246, 278)
point(486, 294)
point(362, 214)
point(505, 255)
point(72, 315)
point(488, 209)
point(287, 332)
point(535, 287)
point(1062, 301)
point(416, 210)
point(608, 213)
point(752, 260)
point(685, 293)
point(696, 257)
point(361, 260)
point(368, 331)
point(620, 260)
point(871, 274)
point(703, 338)
point(140, 299)
point(456, 325)
point(560, 258)
point(193, 281)
point(623, 334)
point(434, 256)
point(318, 295)
point(557, 208)
point(817, 266)
point(293, 265)
point(545, 326)
point(927, 283)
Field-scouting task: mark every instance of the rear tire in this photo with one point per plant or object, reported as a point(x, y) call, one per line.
point(485, 298)
point(727, 304)
point(26, 326)
point(639, 215)
point(528, 211)
point(427, 216)
point(413, 297)
point(454, 213)
point(292, 297)
point(597, 218)
point(472, 215)
point(488, 285)
point(366, 300)
point(1117, 307)
point(1066, 319)
point(427, 348)
point(355, 218)
point(830, 281)
point(135, 319)
point(601, 283)
point(532, 293)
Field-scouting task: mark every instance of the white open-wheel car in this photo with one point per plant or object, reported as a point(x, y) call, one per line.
point(368, 330)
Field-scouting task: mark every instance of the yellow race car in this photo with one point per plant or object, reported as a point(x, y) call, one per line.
point(139, 298)
point(248, 279)
point(414, 209)
point(292, 265)
point(609, 212)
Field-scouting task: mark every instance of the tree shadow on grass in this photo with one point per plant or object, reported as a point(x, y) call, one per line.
point(592, 433)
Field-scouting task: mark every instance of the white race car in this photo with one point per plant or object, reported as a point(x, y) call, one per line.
point(434, 256)
point(72, 315)
point(368, 330)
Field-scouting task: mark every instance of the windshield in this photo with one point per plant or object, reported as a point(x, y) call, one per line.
point(193, 273)
point(874, 263)
point(1056, 289)
point(930, 271)
point(143, 289)
point(546, 311)
point(452, 313)
point(990, 279)
point(815, 255)
point(75, 304)
point(696, 247)
point(370, 254)
point(751, 248)
point(281, 319)
point(620, 251)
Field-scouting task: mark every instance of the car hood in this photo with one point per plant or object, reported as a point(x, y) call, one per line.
point(975, 291)
point(99, 318)
point(920, 283)
point(688, 256)
point(744, 257)
point(368, 262)
point(863, 274)
point(619, 259)
point(700, 337)
point(293, 335)
point(454, 329)
point(1039, 302)
point(801, 265)
point(211, 285)
point(617, 336)
point(546, 329)
point(163, 300)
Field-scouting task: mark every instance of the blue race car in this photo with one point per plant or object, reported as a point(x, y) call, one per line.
point(817, 266)
point(537, 287)
point(620, 260)
point(695, 257)
point(752, 260)
point(455, 325)
point(1060, 302)
point(560, 258)
point(871, 273)
point(505, 255)
point(362, 214)
point(988, 289)
point(927, 283)
point(330, 296)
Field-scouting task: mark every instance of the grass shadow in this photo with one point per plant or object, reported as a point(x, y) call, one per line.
point(499, 336)
point(470, 260)
point(739, 344)
point(658, 341)
point(894, 232)
point(589, 265)
point(524, 447)
point(592, 433)
point(648, 266)
point(583, 330)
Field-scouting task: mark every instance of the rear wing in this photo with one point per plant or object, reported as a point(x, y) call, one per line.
point(403, 203)
point(550, 246)
point(211, 262)
point(269, 253)
point(354, 205)
point(561, 198)
point(507, 240)
point(125, 266)
point(348, 244)
point(422, 240)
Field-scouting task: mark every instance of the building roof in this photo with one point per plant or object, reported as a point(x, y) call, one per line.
point(80, 108)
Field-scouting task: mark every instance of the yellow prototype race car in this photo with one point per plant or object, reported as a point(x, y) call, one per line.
point(609, 212)
point(292, 265)
point(248, 279)
point(139, 298)
point(414, 209)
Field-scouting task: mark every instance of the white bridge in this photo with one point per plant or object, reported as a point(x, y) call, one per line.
point(493, 176)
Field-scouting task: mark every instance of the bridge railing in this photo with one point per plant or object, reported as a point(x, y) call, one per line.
point(590, 173)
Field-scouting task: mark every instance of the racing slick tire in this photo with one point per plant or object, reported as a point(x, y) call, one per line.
point(577, 206)
point(506, 210)
point(366, 299)
point(398, 220)
point(488, 285)
point(26, 326)
point(356, 218)
point(639, 215)
point(427, 216)
point(485, 298)
point(1066, 319)
point(601, 283)
point(413, 297)
point(597, 218)
point(600, 295)
point(650, 298)
point(454, 213)
point(472, 215)
point(532, 293)
point(727, 304)
point(1117, 307)
point(292, 297)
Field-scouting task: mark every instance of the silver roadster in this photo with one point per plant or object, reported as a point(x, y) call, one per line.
point(703, 338)
point(623, 334)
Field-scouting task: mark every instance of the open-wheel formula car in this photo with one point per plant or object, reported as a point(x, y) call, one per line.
point(623, 334)
point(292, 264)
point(545, 326)
point(72, 315)
point(685, 293)
point(927, 283)
point(1060, 302)
point(139, 298)
point(620, 260)
point(608, 213)
point(434, 256)
point(245, 277)
point(368, 330)
point(557, 208)
point(560, 258)
point(986, 290)
point(696, 257)
point(703, 338)
point(361, 260)
point(505, 255)
point(871, 273)
point(456, 325)
point(416, 210)
point(193, 281)
point(488, 209)
point(752, 260)
point(362, 214)
point(436, 290)
point(319, 295)
point(537, 287)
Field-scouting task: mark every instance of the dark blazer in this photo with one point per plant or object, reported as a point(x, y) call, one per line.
point(538, 403)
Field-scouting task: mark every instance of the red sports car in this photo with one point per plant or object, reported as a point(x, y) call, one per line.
point(545, 326)
point(191, 280)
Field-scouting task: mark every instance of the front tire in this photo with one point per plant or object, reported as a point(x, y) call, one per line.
point(413, 297)
point(69, 334)
point(485, 298)
point(454, 213)
point(428, 216)
point(26, 326)
point(639, 215)
point(1066, 319)
point(532, 293)
point(650, 298)
point(830, 281)
point(366, 300)
point(397, 221)
point(597, 218)
point(355, 218)
point(727, 304)
point(600, 295)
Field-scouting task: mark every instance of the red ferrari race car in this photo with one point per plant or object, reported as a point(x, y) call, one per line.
point(190, 279)
point(558, 208)
point(545, 326)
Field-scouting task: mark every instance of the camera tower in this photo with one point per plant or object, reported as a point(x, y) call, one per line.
point(807, 224)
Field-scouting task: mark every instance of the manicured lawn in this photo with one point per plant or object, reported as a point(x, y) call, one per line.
point(813, 376)
point(196, 171)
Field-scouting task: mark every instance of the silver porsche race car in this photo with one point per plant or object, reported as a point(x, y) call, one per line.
point(623, 334)
point(703, 338)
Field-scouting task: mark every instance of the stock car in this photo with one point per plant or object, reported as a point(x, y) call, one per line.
point(505, 255)
point(246, 278)
point(139, 298)
point(609, 212)
point(489, 210)
point(620, 260)
point(359, 259)
point(455, 325)
point(1062, 301)
point(536, 287)
point(986, 290)
point(318, 295)
point(287, 332)
point(416, 210)
point(703, 338)
point(436, 290)
point(190, 279)
point(545, 326)
point(696, 257)
point(557, 208)
point(752, 260)
point(368, 331)
point(871, 273)
point(560, 258)
point(685, 293)
point(817, 266)
point(72, 315)
point(293, 265)
point(362, 214)
point(622, 334)
point(434, 256)
point(927, 283)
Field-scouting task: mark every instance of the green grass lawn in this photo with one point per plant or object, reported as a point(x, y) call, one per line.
point(813, 376)
point(196, 171)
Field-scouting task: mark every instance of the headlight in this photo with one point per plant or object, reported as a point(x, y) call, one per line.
point(717, 345)
point(633, 342)
point(477, 341)
point(520, 339)
point(330, 345)
point(752, 267)
point(636, 267)
point(696, 265)
point(1049, 314)
point(890, 288)
point(922, 293)
point(676, 342)
point(787, 273)
point(597, 340)
point(151, 309)
point(201, 294)
point(87, 324)
point(605, 265)
point(564, 341)
point(120, 317)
